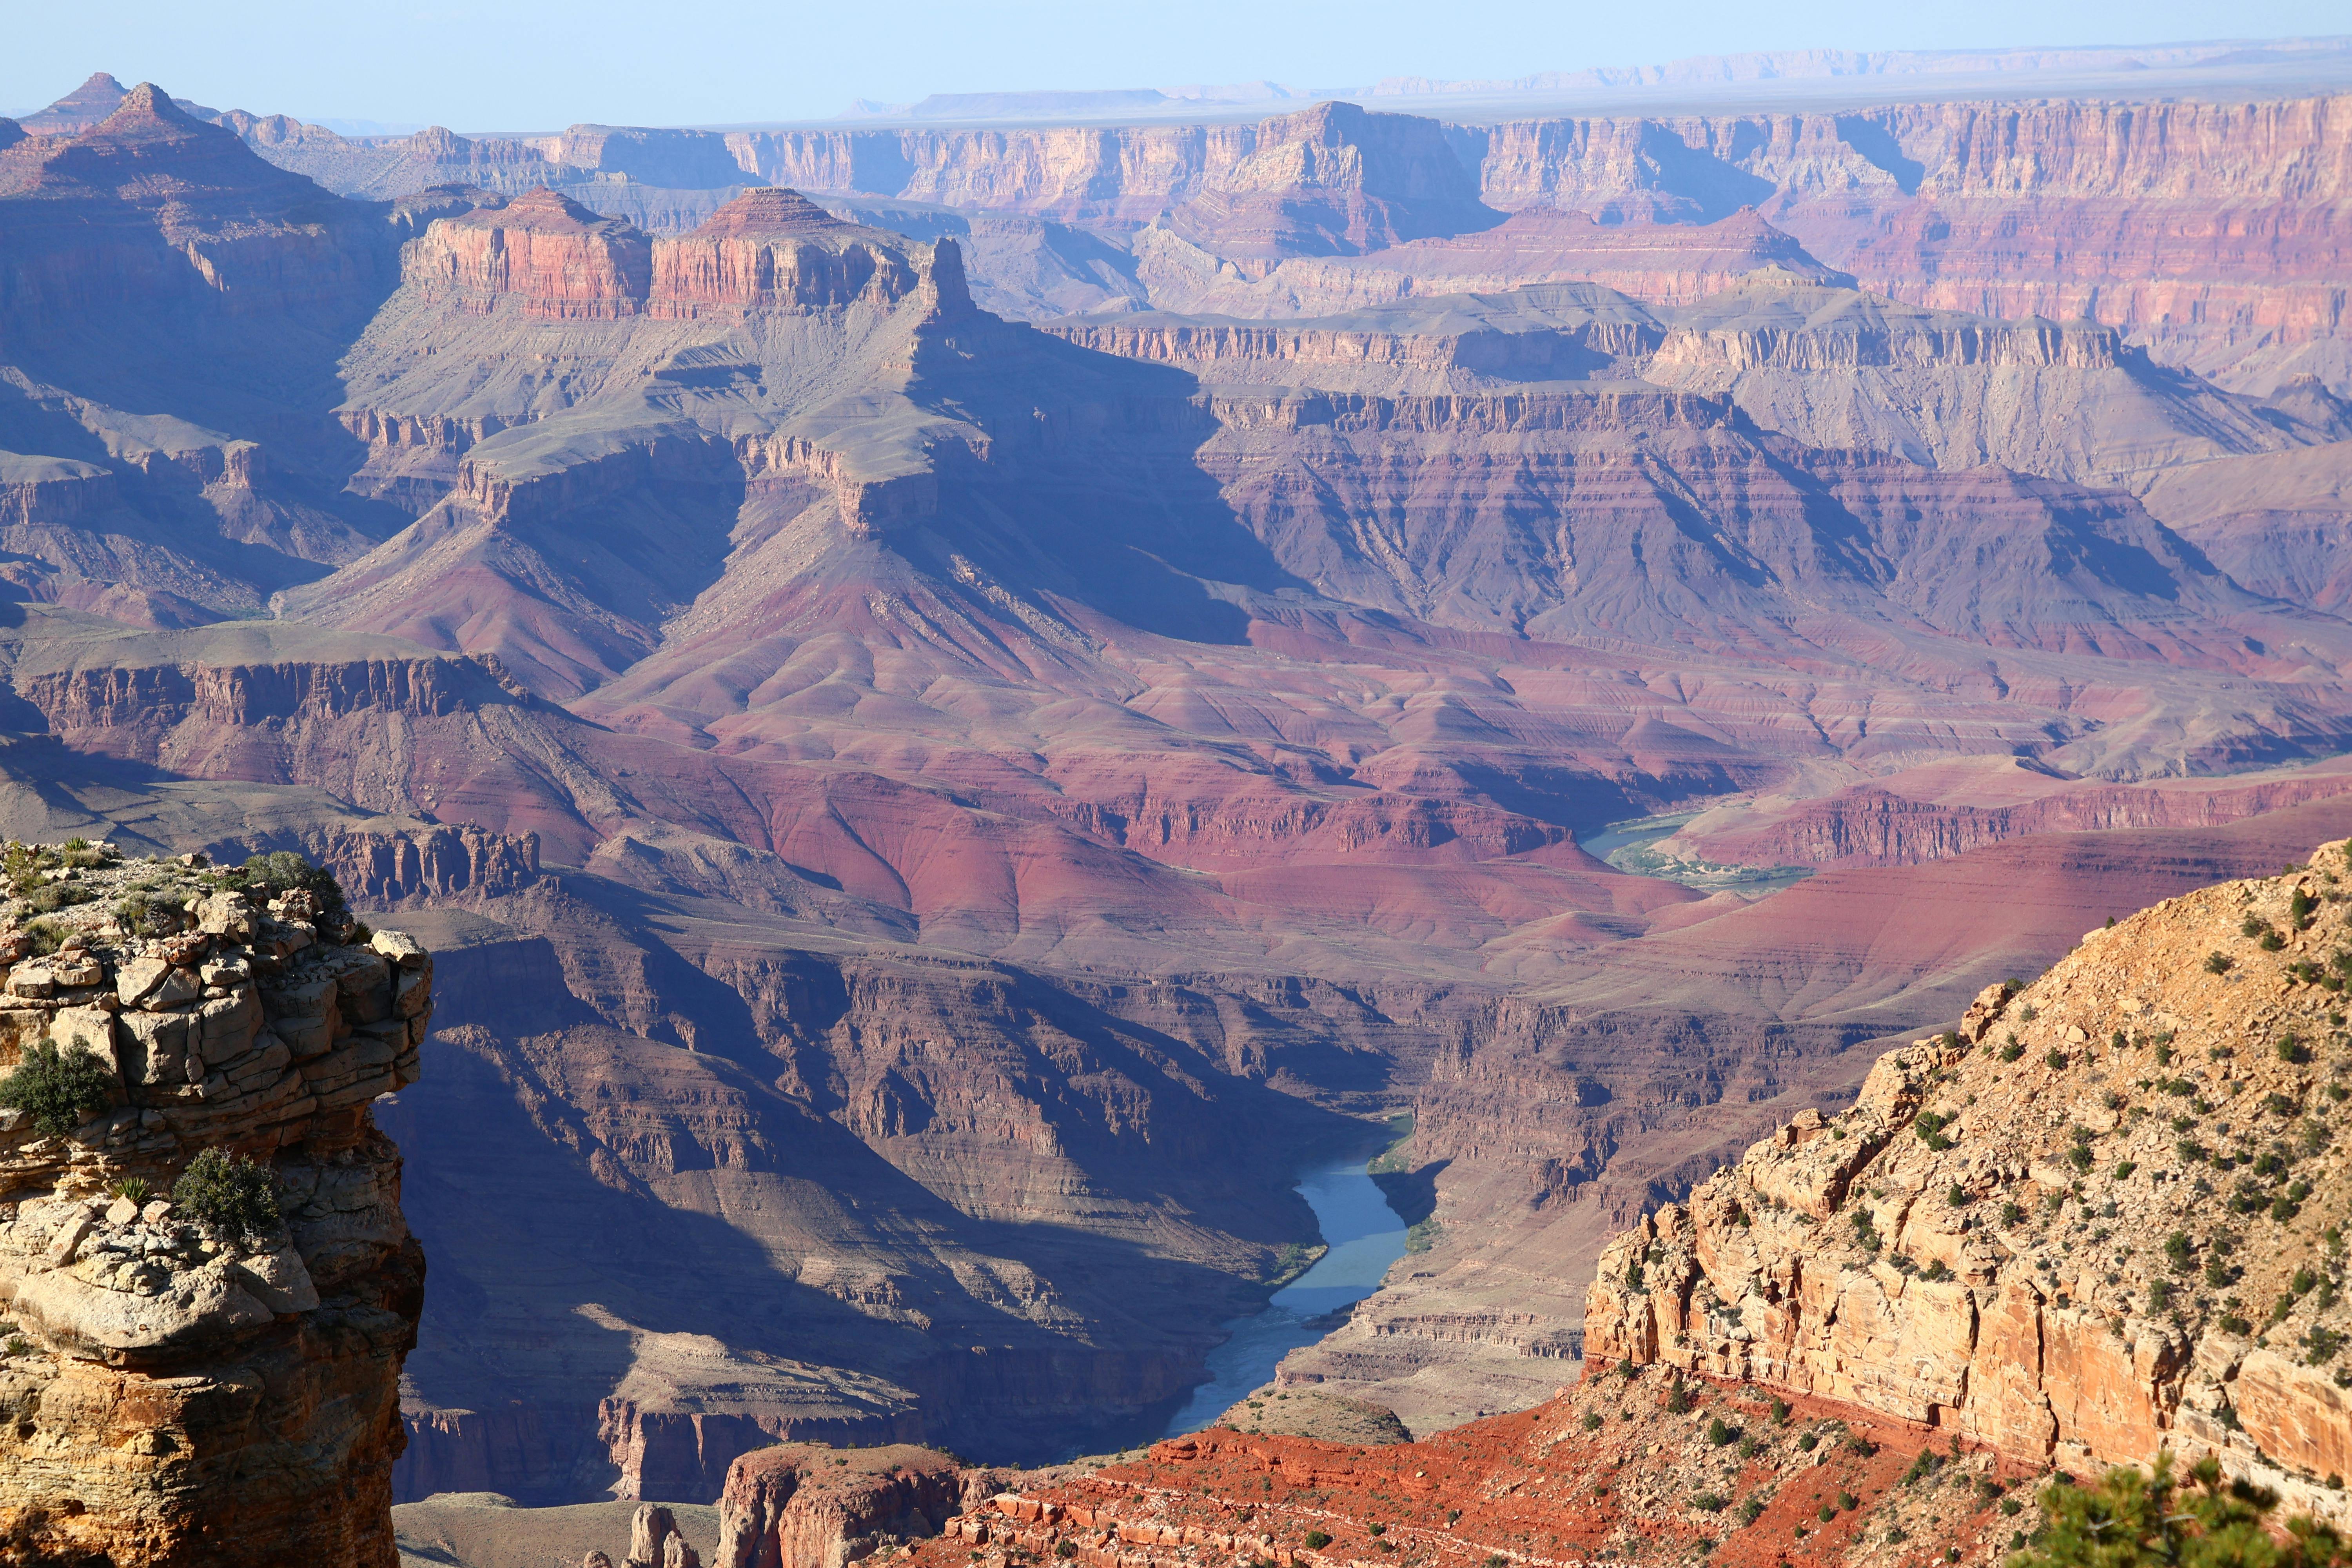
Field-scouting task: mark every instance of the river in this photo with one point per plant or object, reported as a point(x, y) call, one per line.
point(1364, 1236)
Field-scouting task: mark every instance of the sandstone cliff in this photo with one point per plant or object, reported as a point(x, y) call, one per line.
point(804, 1506)
point(2095, 1222)
point(181, 1387)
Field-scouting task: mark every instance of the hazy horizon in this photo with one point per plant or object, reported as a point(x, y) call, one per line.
point(534, 65)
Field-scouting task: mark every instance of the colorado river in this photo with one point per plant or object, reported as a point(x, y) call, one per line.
point(1364, 1236)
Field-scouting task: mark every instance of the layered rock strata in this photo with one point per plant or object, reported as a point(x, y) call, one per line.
point(178, 1391)
point(801, 1505)
point(2091, 1224)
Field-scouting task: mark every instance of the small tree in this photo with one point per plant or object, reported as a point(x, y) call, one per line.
point(57, 1090)
point(2136, 1520)
point(283, 871)
point(231, 1195)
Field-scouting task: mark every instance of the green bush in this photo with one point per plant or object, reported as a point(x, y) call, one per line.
point(2218, 963)
point(58, 1091)
point(135, 1188)
point(283, 871)
point(1719, 1433)
point(2136, 1520)
point(142, 916)
point(1751, 1510)
point(228, 1195)
point(1317, 1540)
point(1710, 1502)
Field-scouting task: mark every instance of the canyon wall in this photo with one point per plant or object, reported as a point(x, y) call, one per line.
point(1936, 1252)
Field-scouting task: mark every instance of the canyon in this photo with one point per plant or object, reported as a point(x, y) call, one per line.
point(957, 705)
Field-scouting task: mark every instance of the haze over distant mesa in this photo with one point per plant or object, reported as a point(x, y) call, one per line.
point(963, 695)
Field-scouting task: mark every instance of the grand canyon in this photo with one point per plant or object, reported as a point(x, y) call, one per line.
point(909, 719)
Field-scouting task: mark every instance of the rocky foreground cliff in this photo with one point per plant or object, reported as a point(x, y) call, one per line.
point(200, 1367)
point(2100, 1219)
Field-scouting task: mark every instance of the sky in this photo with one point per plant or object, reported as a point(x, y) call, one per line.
point(526, 65)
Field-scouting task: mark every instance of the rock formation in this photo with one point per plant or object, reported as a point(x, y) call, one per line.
point(2029, 1232)
point(187, 1381)
point(803, 1506)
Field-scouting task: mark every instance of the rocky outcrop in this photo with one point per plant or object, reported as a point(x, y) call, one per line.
point(554, 259)
point(775, 249)
point(153, 212)
point(384, 868)
point(2085, 1226)
point(1659, 264)
point(151, 697)
point(685, 1455)
point(803, 1506)
point(1866, 825)
point(179, 1384)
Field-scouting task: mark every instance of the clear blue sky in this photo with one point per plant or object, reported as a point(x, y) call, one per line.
point(541, 64)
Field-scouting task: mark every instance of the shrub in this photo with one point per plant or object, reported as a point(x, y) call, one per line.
point(2234, 1324)
point(135, 1188)
point(1317, 1540)
point(2290, 1050)
point(1828, 1512)
point(2056, 1058)
point(58, 1091)
point(2011, 1507)
point(2124, 1168)
point(2011, 1051)
point(1807, 1442)
point(2012, 1214)
point(283, 871)
point(1959, 1197)
point(2272, 942)
point(1065, 1549)
point(1896, 1535)
point(2080, 1156)
point(1719, 1434)
point(2218, 963)
point(1930, 1127)
point(1679, 1399)
point(1751, 1510)
point(228, 1195)
point(2160, 1295)
point(1592, 1421)
point(1376, 1528)
point(2179, 1252)
point(1710, 1502)
point(1848, 1501)
point(1935, 1272)
point(2136, 1519)
point(142, 916)
point(1779, 1413)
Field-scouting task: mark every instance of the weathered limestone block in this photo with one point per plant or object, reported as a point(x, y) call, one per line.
point(201, 1310)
